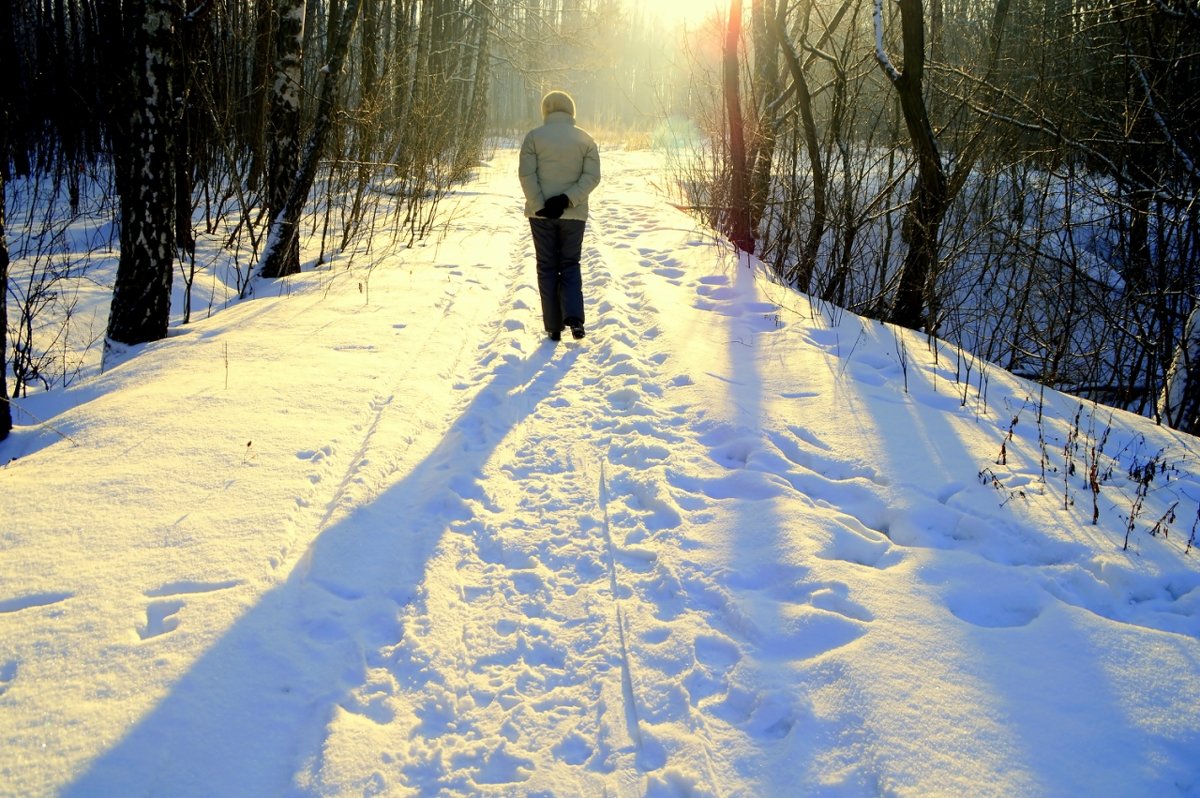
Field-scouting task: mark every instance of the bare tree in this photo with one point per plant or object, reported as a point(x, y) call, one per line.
point(284, 232)
point(927, 205)
point(7, 62)
point(169, 101)
point(284, 126)
point(802, 272)
point(145, 154)
point(5, 409)
point(765, 91)
point(736, 223)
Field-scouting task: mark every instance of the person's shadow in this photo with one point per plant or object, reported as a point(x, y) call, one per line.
point(248, 712)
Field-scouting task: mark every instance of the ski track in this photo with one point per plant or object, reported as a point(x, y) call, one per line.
point(358, 477)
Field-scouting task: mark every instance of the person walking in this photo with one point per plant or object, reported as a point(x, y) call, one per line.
point(559, 167)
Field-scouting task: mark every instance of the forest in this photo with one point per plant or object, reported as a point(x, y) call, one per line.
point(1017, 177)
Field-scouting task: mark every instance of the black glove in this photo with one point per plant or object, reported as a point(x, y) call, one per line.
point(555, 206)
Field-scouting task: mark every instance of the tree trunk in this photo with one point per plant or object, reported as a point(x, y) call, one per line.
point(285, 227)
point(141, 302)
point(5, 408)
point(1179, 403)
point(764, 25)
point(8, 94)
point(366, 139)
point(927, 205)
point(477, 106)
point(190, 44)
point(803, 271)
point(737, 220)
point(284, 125)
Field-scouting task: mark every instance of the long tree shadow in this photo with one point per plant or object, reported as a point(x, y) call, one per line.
point(794, 615)
point(804, 565)
point(247, 713)
point(1006, 665)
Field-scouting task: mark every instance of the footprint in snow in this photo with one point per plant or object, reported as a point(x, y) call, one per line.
point(161, 617)
point(826, 339)
point(716, 651)
point(771, 717)
point(833, 599)
point(864, 546)
point(804, 632)
point(32, 601)
point(769, 714)
point(702, 682)
point(718, 292)
point(188, 586)
point(8, 674)
point(624, 399)
point(497, 767)
point(573, 749)
point(371, 701)
point(315, 455)
point(999, 607)
point(651, 755)
point(637, 559)
point(527, 582)
point(736, 453)
point(638, 455)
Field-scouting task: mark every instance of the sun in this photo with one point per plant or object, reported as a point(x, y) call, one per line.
point(686, 13)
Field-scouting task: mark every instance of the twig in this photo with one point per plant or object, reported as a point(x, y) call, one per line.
point(44, 424)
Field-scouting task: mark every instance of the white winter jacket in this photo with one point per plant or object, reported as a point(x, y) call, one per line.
point(559, 158)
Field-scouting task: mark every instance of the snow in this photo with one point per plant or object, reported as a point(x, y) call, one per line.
point(369, 533)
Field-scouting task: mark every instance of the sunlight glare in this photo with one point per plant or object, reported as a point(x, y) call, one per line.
point(689, 13)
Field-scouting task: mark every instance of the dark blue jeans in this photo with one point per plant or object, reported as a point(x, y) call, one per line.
point(558, 244)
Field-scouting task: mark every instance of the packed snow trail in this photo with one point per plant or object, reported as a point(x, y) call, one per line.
point(714, 549)
point(550, 627)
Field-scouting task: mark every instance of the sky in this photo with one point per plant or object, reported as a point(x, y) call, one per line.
point(368, 532)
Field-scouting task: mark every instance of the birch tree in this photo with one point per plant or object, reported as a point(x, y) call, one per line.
point(8, 61)
point(1179, 403)
point(5, 408)
point(285, 226)
point(141, 302)
point(284, 126)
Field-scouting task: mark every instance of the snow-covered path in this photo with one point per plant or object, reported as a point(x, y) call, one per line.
point(379, 537)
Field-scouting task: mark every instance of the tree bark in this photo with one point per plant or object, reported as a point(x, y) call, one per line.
point(477, 106)
point(1179, 402)
point(5, 408)
point(366, 140)
point(737, 221)
point(285, 227)
point(764, 26)
point(803, 271)
point(7, 146)
point(284, 125)
point(141, 302)
point(927, 205)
